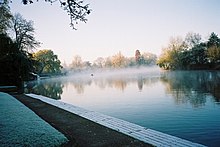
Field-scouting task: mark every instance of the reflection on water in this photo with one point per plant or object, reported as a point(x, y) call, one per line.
point(52, 89)
point(192, 87)
point(180, 103)
point(185, 86)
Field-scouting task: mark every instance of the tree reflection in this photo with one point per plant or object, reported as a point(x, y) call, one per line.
point(213, 85)
point(192, 86)
point(140, 83)
point(146, 81)
point(79, 84)
point(49, 89)
point(119, 84)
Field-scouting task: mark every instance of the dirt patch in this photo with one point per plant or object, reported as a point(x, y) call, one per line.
point(80, 131)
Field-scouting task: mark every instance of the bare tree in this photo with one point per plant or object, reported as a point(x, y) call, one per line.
point(118, 60)
point(192, 39)
point(76, 63)
point(100, 62)
point(24, 33)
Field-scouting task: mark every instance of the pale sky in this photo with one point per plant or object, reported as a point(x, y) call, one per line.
point(119, 25)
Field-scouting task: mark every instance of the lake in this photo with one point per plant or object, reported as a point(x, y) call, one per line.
point(180, 103)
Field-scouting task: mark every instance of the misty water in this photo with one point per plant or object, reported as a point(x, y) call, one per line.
point(181, 103)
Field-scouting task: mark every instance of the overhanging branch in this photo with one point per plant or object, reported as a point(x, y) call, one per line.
point(76, 9)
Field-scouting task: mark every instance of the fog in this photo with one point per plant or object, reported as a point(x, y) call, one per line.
point(115, 73)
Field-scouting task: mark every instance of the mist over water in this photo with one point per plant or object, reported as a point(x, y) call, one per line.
point(180, 103)
point(114, 78)
point(116, 73)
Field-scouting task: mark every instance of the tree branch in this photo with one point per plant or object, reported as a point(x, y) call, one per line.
point(74, 8)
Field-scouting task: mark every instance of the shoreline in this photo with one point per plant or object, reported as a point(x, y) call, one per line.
point(78, 130)
point(88, 128)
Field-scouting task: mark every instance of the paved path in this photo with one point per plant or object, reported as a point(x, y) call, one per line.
point(19, 126)
point(80, 131)
point(146, 135)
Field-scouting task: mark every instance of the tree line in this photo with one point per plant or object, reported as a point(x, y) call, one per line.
point(191, 53)
point(116, 61)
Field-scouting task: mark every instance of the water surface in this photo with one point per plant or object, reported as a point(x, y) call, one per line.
point(181, 103)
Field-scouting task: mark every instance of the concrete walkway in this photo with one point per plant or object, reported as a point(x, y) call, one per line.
point(19, 126)
point(146, 135)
